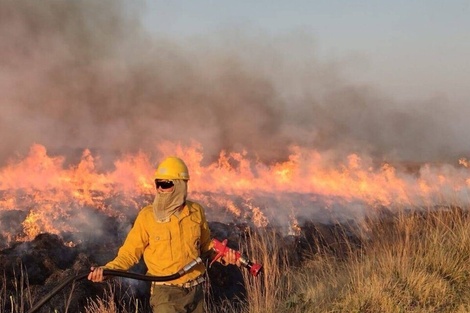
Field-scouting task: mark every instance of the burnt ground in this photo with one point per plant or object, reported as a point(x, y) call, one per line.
point(43, 263)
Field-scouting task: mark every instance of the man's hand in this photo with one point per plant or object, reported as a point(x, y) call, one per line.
point(230, 258)
point(96, 274)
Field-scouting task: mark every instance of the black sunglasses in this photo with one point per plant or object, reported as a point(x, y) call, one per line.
point(164, 184)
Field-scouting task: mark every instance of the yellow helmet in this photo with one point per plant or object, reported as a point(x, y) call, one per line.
point(172, 168)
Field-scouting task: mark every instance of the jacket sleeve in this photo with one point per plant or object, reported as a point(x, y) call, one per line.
point(131, 251)
point(206, 243)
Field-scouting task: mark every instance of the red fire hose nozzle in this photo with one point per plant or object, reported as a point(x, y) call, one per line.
point(221, 248)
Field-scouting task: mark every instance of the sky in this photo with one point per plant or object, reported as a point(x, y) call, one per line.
point(410, 49)
point(388, 79)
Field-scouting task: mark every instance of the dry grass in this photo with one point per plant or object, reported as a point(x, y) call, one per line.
point(268, 291)
point(105, 304)
point(16, 298)
point(115, 301)
point(413, 262)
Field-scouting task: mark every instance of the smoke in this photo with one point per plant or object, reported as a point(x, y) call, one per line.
point(86, 74)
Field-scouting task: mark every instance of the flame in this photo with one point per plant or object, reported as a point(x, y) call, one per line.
point(55, 197)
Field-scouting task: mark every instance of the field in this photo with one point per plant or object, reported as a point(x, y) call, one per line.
point(406, 262)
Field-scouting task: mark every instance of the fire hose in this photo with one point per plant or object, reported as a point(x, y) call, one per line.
point(219, 247)
point(107, 272)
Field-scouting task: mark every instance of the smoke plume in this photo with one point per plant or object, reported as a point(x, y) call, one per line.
point(86, 74)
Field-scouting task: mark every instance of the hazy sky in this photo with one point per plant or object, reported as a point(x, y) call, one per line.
point(412, 48)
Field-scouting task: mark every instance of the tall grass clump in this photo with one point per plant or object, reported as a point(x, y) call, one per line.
point(267, 291)
point(412, 262)
point(270, 290)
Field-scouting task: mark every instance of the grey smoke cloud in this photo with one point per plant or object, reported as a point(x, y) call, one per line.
point(85, 74)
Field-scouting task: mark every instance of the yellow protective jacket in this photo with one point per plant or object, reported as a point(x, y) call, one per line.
point(166, 247)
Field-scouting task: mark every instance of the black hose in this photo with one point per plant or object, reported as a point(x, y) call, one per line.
point(118, 273)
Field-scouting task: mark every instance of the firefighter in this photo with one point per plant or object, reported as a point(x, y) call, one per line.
point(168, 234)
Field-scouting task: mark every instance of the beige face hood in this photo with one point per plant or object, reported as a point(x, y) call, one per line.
point(167, 203)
